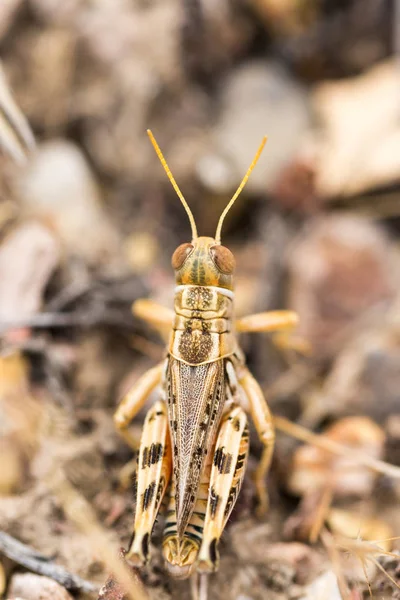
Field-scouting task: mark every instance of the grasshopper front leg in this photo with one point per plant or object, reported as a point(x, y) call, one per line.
point(273, 320)
point(157, 316)
point(279, 322)
point(153, 475)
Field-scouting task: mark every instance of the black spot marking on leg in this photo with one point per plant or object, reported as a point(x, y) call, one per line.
point(233, 493)
point(145, 545)
point(155, 454)
point(145, 457)
point(236, 424)
point(214, 501)
point(214, 551)
point(240, 460)
point(223, 461)
point(148, 495)
point(134, 484)
point(131, 541)
point(160, 490)
point(152, 455)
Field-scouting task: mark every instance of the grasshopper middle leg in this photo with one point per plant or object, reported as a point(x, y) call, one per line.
point(262, 418)
point(134, 400)
point(274, 320)
point(157, 316)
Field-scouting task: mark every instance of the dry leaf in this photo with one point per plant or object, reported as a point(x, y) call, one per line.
point(28, 256)
point(360, 120)
point(314, 468)
point(59, 187)
point(33, 587)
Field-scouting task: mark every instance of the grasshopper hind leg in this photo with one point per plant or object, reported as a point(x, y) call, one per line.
point(153, 475)
point(228, 468)
point(218, 490)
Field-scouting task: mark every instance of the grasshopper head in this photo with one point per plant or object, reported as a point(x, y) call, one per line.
point(204, 262)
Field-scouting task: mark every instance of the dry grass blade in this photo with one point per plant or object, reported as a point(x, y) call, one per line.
point(320, 514)
point(81, 513)
point(15, 134)
point(36, 562)
point(366, 551)
point(199, 586)
point(381, 568)
point(364, 568)
point(333, 552)
point(321, 441)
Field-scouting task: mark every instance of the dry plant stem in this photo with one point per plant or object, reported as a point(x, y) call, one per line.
point(379, 566)
point(72, 319)
point(322, 510)
point(81, 513)
point(199, 586)
point(15, 134)
point(39, 563)
point(303, 434)
point(328, 542)
point(366, 551)
point(203, 587)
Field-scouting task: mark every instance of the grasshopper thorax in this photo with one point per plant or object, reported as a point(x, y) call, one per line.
point(204, 262)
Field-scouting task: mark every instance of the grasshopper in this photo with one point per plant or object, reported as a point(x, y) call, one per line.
point(195, 439)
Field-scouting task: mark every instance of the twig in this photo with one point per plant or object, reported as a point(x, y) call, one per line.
point(78, 510)
point(321, 441)
point(39, 563)
point(71, 319)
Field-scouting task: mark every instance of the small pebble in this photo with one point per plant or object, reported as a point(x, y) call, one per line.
point(36, 587)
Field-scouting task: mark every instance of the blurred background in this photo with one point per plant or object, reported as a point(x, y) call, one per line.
point(89, 221)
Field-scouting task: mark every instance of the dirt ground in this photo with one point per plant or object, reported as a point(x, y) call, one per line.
point(88, 224)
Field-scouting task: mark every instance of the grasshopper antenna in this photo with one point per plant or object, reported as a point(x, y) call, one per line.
point(174, 184)
point(236, 194)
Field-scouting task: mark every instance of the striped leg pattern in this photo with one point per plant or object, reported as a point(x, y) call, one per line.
point(153, 475)
point(227, 472)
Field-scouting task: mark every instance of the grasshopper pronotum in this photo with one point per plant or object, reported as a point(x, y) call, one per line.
point(195, 437)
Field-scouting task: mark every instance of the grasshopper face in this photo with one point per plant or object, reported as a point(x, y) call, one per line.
point(204, 262)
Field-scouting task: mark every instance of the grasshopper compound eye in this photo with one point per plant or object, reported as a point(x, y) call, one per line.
point(223, 259)
point(180, 255)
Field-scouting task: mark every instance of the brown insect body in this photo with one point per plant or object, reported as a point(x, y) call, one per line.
point(201, 339)
point(199, 429)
